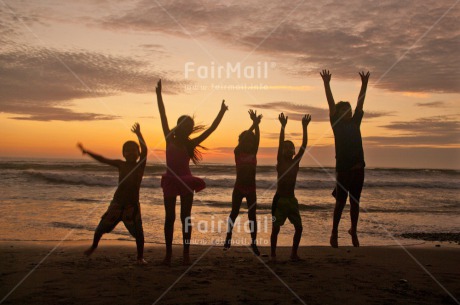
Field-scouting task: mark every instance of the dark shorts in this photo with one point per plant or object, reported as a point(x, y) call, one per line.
point(349, 182)
point(245, 191)
point(287, 208)
point(130, 214)
point(238, 195)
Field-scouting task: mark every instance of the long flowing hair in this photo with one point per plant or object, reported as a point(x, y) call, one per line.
point(183, 138)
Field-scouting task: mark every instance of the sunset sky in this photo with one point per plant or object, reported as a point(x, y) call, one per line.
point(87, 71)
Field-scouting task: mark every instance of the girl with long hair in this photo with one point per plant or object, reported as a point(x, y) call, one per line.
point(178, 179)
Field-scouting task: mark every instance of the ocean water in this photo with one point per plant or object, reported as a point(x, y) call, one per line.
point(64, 199)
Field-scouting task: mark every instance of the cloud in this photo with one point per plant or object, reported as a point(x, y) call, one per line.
point(61, 114)
point(40, 83)
point(297, 111)
point(435, 104)
point(431, 131)
point(12, 22)
point(344, 37)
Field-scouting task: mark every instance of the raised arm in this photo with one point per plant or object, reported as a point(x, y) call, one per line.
point(305, 121)
point(207, 132)
point(283, 120)
point(99, 158)
point(161, 108)
point(137, 130)
point(327, 87)
point(255, 126)
point(362, 92)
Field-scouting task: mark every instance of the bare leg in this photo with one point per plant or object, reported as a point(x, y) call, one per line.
point(252, 208)
point(103, 227)
point(273, 241)
point(186, 202)
point(137, 231)
point(354, 214)
point(97, 238)
point(355, 194)
point(140, 250)
point(339, 205)
point(170, 218)
point(140, 245)
point(296, 242)
point(237, 198)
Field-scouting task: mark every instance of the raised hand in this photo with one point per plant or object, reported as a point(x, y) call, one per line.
point(83, 150)
point(283, 119)
point(306, 120)
point(326, 75)
point(254, 117)
point(136, 128)
point(364, 77)
point(223, 107)
point(158, 87)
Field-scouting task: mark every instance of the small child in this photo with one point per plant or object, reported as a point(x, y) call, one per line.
point(285, 205)
point(245, 185)
point(349, 156)
point(125, 204)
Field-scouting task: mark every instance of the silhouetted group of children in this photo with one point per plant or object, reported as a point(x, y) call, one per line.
point(179, 181)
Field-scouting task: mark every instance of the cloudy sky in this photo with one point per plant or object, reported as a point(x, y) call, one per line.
point(86, 72)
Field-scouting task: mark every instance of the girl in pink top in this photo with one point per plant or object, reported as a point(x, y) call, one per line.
point(178, 180)
point(245, 185)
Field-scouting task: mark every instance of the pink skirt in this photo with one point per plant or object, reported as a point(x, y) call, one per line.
point(181, 185)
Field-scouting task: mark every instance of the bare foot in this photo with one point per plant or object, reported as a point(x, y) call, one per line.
point(354, 238)
point(141, 262)
point(295, 257)
point(255, 249)
point(89, 251)
point(334, 240)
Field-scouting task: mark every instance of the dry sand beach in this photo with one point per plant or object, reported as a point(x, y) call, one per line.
point(366, 275)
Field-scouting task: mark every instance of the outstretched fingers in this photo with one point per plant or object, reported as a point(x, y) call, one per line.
point(326, 75)
point(364, 76)
point(283, 119)
point(306, 119)
point(136, 128)
point(254, 117)
point(252, 114)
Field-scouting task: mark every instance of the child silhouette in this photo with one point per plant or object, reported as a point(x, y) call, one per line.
point(349, 156)
point(125, 204)
point(245, 185)
point(285, 204)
